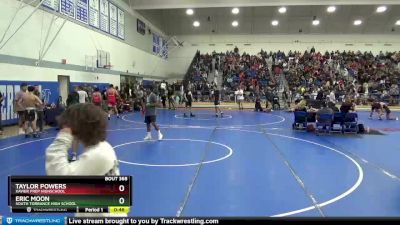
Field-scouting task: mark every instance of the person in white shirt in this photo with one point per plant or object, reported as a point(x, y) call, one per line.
point(332, 97)
point(87, 124)
point(83, 96)
point(240, 97)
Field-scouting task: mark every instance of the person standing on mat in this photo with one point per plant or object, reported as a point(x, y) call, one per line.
point(240, 97)
point(40, 109)
point(96, 97)
point(20, 110)
point(112, 95)
point(150, 115)
point(217, 102)
point(83, 96)
point(171, 101)
point(30, 102)
point(188, 98)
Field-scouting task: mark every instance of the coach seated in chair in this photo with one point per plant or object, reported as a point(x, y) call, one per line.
point(333, 107)
point(324, 110)
point(347, 106)
point(300, 106)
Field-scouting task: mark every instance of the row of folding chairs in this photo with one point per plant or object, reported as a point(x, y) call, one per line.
point(327, 123)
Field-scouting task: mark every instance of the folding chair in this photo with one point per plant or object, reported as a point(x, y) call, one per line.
point(337, 123)
point(300, 120)
point(324, 123)
point(350, 124)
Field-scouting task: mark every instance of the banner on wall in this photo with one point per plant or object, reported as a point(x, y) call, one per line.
point(164, 49)
point(82, 11)
point(94, 13)
point(51, 4)
point(104, 16)
point(121, 24)
point(113, 20)
point(141, 27)
point(67, 7)
point(156, 44)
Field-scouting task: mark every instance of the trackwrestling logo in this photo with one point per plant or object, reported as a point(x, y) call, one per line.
point(35, 220)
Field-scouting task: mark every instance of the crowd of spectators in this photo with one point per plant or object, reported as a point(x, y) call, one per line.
point(332, 75)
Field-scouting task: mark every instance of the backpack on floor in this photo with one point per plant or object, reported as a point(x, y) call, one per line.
point(361, 128)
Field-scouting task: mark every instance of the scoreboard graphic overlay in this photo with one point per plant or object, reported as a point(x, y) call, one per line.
point(47, 194)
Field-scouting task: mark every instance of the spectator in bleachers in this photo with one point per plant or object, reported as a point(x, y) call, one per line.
point(333, 107)
point(354, 74)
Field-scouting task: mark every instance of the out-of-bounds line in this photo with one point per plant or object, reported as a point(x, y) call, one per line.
point(282, 119)
point(24, 143)
point(337, 198)
point(295, 175)
point(364, 161)
point(21, 165)
point(191, 185)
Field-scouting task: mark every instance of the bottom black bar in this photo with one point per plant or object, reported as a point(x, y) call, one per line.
point(223, 221)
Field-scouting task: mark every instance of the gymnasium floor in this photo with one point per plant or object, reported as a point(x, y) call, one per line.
point(245, 164)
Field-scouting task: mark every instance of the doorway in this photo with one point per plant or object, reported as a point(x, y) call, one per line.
point(63, 82)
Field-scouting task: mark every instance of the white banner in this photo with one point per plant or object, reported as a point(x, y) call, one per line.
point(67, 7)
point(121, 24)
point(104, 16)
point(51, 4)
point(113, 19)
point(94, 13)
point(82, 11)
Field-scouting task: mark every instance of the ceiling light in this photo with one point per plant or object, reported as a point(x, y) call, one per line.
point(196, 23)
point(235, 23)
point(189, 11)
point(331, 9)
point(357, 22)
point(282, 9)
point(315, 22)
point(398, 22)
point(235, 10)
point(381, 9)
point(275, 22)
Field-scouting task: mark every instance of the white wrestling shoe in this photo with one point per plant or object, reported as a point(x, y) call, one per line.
point(160, 136)
point(147, 138)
